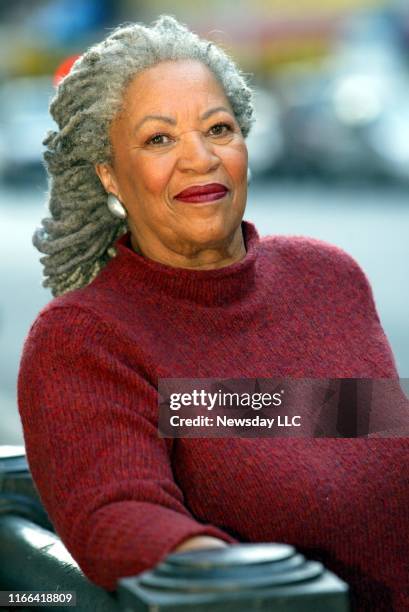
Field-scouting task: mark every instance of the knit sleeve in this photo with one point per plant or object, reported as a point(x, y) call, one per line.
point(90, 429)
point(338, 299)
point(355, 309)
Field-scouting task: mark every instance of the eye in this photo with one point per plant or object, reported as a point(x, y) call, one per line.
point(156, 139)
point(221, 129)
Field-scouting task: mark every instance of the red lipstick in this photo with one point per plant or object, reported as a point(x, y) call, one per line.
point(202, 193)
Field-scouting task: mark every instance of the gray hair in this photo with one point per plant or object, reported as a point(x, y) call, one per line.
point(78, 238)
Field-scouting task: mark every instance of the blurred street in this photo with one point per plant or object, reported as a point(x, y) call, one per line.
point(369, 222)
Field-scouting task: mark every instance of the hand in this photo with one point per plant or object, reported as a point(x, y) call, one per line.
point(198, 542)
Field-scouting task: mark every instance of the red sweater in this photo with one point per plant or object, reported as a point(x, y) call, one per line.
point(122, 498)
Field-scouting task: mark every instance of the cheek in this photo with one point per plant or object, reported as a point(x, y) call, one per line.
point(235, 162)
point(154, 175)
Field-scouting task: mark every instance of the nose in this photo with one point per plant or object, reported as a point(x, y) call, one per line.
point(196, 154)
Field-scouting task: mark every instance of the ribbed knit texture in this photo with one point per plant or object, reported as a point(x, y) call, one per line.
point(121, 498)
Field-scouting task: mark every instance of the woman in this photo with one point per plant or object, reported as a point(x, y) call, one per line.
point(156, 275)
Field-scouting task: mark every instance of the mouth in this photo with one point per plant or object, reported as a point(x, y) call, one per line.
point(203, 193)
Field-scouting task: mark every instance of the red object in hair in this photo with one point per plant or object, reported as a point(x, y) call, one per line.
point(64, 69)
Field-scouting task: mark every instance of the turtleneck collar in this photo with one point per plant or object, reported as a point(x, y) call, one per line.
point(216, 287)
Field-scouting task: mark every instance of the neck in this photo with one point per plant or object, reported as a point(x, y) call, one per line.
point(210, 287)
point(192, 256)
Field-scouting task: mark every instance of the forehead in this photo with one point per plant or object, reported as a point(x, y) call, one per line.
point(172, 85)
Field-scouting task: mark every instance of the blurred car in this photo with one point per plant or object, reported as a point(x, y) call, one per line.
point(24, 121)
point(265, 142)
point(352, 118)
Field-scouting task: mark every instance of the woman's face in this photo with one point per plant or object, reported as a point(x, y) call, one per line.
point(176, 130)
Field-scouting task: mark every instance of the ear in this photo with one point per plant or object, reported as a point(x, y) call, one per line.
point(107, 177)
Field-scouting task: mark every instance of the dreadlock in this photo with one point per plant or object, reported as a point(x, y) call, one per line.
point(78, 237)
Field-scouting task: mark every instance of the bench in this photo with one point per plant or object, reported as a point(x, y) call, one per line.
point(239, 578)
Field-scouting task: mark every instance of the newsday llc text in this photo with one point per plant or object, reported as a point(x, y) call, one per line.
point(225, 421)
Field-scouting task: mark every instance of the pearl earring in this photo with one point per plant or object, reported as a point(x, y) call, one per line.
point(249, 175)
point(116, 207)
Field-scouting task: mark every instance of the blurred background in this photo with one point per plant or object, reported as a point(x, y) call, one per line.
point(329, 153)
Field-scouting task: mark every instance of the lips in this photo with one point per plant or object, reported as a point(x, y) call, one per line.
point(202, 190)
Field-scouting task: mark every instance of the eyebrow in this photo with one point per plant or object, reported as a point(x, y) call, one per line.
point(172, 121)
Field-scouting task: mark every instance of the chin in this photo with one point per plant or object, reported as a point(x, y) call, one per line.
point(213, 231)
